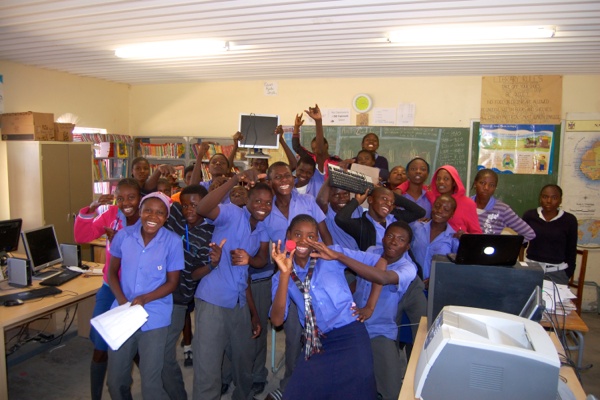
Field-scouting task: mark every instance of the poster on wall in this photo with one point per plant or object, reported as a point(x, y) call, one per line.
point(516, 149)
point(580, 175)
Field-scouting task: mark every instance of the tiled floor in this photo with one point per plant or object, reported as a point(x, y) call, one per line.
point(62, 372)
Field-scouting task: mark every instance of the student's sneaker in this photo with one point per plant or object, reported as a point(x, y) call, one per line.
point(275, 395)
point(188, 360)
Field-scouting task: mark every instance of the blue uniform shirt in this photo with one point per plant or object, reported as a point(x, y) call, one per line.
point(423, 250)
point(314, 184)
point(380, 229)
point(338, 235)
point(225, 286)
point(422, 201)
point(144, 269)
point(383, 320)
point(276, 223)
point(331, 297)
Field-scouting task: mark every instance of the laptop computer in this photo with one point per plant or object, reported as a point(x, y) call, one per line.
point(487, 249)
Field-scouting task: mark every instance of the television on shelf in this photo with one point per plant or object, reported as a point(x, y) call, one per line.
point(43, 251)
point(259, 131)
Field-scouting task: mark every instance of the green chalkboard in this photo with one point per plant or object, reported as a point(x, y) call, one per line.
point(520, 191)
point(400, 144)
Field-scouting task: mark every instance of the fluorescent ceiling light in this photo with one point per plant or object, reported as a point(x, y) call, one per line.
point(467, 34)
point(173, 49)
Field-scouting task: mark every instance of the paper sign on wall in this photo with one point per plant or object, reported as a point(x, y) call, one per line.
point(528, 99)
point(383, 116)
point(270, 88)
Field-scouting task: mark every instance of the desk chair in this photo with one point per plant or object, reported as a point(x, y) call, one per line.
point(580, 280)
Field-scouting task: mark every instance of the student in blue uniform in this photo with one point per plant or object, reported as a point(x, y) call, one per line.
point(435, 236)
point(144, 269)
point(288, 203)
point(337, 361)
point(222, 313)
point(331, 200)
point(196, 235)
point(389, 360)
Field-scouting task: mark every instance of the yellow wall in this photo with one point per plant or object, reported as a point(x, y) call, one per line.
point(98, 103)
point(212, 109)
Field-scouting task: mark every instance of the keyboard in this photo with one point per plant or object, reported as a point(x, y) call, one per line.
point(352, 181)
point(31, 294)
point(57, 280)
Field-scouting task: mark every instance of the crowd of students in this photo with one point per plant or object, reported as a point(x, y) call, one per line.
point(280, 243)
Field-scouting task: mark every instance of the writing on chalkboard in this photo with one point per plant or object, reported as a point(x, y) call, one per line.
point(400, 144)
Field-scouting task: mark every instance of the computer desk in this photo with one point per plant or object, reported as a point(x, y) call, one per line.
point(80, 290)
point(408, 391)
point(573, 323)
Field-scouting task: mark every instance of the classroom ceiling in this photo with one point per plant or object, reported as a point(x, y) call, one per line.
point(294, 39)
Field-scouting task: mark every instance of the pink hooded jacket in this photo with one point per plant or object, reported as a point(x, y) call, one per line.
point(465, 217)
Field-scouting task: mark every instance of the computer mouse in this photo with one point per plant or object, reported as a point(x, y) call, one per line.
point(15, 302)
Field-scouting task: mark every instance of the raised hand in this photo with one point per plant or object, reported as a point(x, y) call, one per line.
point(238, 136)
point(283, 262)
point(102, 200)
point(299, 121)
point(166, 170)
point(361, 197)
point(251, 176)
point(278, 130)
point(320, 250)
point(314, 112)
point(215, 252)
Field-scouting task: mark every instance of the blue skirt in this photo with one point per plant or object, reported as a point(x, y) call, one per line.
point(343, 369)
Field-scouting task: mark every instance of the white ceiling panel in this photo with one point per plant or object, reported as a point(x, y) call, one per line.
point(294, 39)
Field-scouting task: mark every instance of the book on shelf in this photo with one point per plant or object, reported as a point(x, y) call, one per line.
point(165, 150)
point(105, 169)
point(122, 151)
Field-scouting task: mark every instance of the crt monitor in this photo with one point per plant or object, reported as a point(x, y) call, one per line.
point(259, 131)
point(42, 248)
point(10, 231)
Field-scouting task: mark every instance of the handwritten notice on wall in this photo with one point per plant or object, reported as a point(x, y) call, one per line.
point(528, 99)
point(270, 88)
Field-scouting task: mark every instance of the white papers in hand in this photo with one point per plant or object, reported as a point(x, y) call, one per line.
point(117, 325)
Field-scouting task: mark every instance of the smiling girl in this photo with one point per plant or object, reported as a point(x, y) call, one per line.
point(144, 270)
point(447, 181)
point(90, 226)
point(337, 361)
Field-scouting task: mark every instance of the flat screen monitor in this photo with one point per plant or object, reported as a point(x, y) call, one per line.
point(10, 231)
point(259, 131)
point(42, 248)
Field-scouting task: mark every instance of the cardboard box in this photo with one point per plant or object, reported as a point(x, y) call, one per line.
point(63, 132)
point(27, 126)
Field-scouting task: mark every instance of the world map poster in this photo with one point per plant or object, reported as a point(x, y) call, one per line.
point(580, 178)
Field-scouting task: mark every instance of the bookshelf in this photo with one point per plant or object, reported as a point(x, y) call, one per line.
point(112, 159)
point(173, 150)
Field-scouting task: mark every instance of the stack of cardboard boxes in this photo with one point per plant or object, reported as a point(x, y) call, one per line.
point(35, 126)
